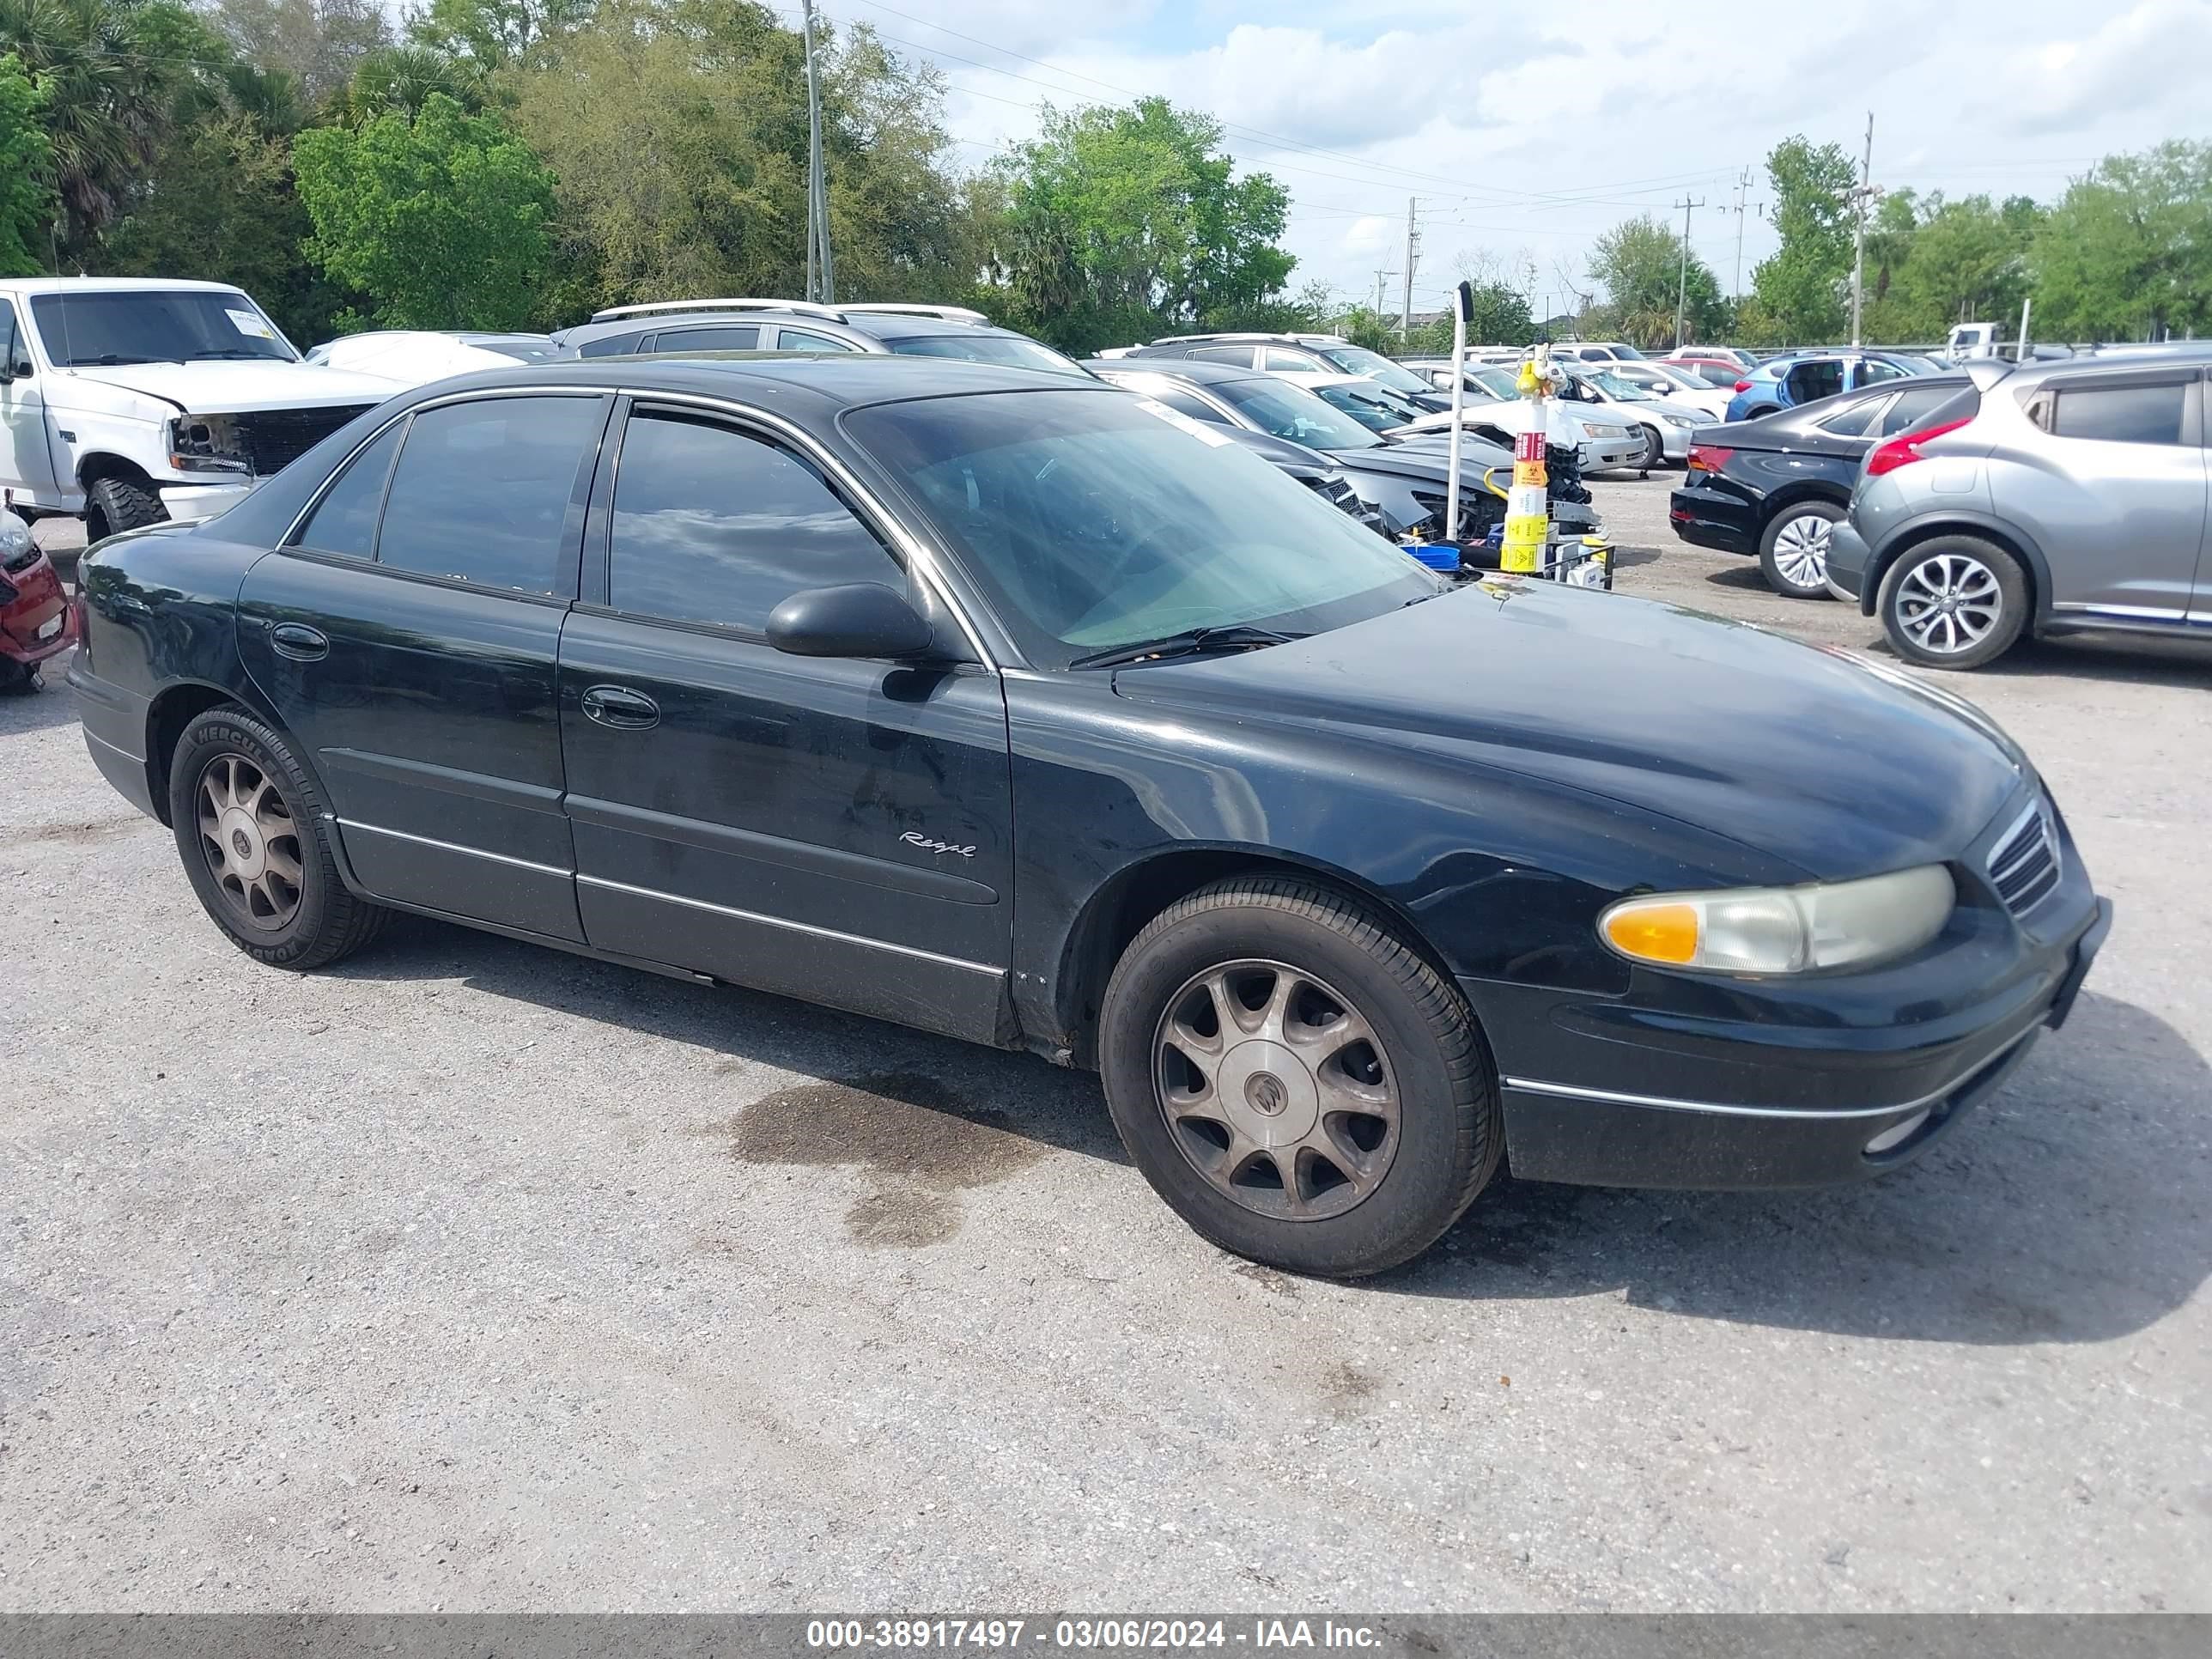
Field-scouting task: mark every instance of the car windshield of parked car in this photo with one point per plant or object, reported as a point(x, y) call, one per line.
point(1282, 410)
point(523, 351)
point(1358, 359)
point(1502, 382)
point(1615, 387)
point(1092, 524)
point(152, 325)
point(1374, 407)
point(1007, 350)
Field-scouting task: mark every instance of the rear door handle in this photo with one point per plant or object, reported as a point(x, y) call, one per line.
point(620, 708)
point(299, 641)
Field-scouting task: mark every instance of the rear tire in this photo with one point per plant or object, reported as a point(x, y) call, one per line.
point(1793, 549)
point(1953, 602)
point(256, 842)
point(1337, 1118)
point(116, 504)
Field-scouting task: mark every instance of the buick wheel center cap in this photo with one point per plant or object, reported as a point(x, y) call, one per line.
point(241, 838)
point(1269, 1092)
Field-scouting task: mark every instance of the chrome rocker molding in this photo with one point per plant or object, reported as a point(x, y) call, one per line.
point(735, 915)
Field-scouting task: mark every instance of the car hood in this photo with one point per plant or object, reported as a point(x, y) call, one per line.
point(1424, 455)
point(1633, 409)
point(224, 388)
point(1804, 755)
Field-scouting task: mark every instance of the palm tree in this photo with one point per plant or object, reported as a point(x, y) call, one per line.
point(110, 76)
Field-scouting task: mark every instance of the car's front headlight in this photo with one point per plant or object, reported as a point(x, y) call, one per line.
point(1677, 420)
point(204, 444)
point(1784, 930)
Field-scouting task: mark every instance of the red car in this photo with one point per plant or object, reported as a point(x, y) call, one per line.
point(36, 618)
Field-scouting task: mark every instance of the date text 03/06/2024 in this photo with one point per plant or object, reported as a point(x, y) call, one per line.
point(1087, 1634)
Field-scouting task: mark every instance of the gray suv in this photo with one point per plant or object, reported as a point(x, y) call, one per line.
point(2057, 498)
point(684, 326)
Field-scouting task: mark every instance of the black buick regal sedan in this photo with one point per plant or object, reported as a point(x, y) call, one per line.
point(992, 704)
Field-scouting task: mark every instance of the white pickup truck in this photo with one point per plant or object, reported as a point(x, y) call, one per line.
point(128, 400)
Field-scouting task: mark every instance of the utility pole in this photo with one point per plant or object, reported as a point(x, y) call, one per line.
point(1413, 254)
point(1742, 189)
point(1682, 282)
point(1860, 198)
point(818, 188)
point(1379, 276)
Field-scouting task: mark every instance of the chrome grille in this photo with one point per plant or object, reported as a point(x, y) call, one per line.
point(2023, 867)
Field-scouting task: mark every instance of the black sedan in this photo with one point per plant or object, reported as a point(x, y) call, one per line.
point(1774, 486)
point(992, 704)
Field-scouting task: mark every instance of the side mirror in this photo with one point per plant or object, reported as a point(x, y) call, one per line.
point(855, 619)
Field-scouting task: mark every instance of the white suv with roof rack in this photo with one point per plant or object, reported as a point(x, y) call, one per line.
point(130, 400)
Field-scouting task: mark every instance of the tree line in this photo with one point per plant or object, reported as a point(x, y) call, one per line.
point(2124, 253)
point(520, 163)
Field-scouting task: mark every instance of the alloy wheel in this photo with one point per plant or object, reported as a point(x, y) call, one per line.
point(251, 842)
point(1948, 604)
point(1800, 549)
point(1277, 1090)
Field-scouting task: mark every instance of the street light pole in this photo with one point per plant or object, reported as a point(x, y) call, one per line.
point(1861, 197)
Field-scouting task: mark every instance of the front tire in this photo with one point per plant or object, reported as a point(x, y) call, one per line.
point(1953, 602)
point(1655, 451)
point(1793, 549)
point(116, 504)
point(1300, 1086)
point(256, 847)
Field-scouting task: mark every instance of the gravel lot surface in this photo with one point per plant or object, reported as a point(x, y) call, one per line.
point(478, 1277)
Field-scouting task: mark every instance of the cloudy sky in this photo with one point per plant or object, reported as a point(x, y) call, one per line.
point(1524, 130)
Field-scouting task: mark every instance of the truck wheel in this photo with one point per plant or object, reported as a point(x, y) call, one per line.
point(1793, 551)
point(256, 845)
point(1953, 602)
point(1300, 1087)
point(114, 504)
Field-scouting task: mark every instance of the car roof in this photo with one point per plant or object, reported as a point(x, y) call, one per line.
point(1196, 370)
point(2179, 354)
point(847, 379)
point(869, 324)
point(113, 285)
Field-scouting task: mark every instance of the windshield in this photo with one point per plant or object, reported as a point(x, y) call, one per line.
point(1371, 405)
point(1092, 524)
point(1358, 359)
point(1007, 350)
point(147, 326)
point(522, 350)
point(1913, 365)
point(1282, 410)
point(1613, 387)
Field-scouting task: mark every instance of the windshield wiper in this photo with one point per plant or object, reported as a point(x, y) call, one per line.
point(110, 360)
point(1230, 636)
point(226, 352)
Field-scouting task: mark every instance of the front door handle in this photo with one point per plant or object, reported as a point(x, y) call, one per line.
point(299, 641)
point(620, 708)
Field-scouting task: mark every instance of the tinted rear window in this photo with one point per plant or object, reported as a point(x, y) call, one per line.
point(611, 345)
point(345, 521)
point(2122, 414)
point(482, 490)
point(719, 337)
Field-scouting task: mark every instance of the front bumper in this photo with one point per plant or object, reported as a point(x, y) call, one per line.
point(1848, 558)
point(187, 501)
point(1763, 1084)
point(1602, 454)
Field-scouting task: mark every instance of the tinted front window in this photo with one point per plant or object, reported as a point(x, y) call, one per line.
point(1008, 350)
point(1290, 362)
point(482, 490)
point(1855, 418)
point(151, 326)
point(2122, 414)
point(1240, 356)
point(345, 521)
point(1282, 410)
point(1093, 524)
point(713, 525)
point(720, 338)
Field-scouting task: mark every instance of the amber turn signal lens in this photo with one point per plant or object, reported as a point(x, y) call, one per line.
point(1660, 931)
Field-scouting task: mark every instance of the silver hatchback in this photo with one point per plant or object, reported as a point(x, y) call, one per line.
point(2059, 497)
